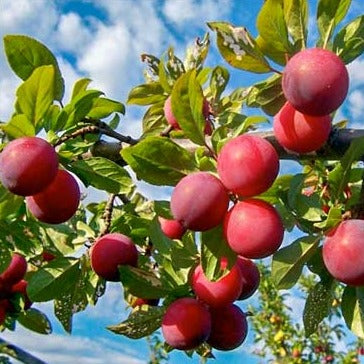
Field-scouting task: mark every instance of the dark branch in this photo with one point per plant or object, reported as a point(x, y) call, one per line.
point(18, 353)
point(107, 216)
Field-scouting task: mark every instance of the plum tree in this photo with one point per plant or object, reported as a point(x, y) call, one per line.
point(229, 327)
point(21, 287)
point(199, 201)
point(186, 324)
point(138, 301)
point(250, 277)
point(221, 292)
point(110, 251)
point(343, 253)
point(15, 271)
point(171, 228)
point(299, 132)
point(315, 81)
point(242, 234)
point(28, 165)
point(58, 202)
point(247, 165)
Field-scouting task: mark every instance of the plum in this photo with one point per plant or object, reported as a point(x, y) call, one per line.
point(28, 165)
point(247, 238)
point(247, 165)
point(315, 81)
point(110, 251)
point(15, 271)
point(186, 324)
point(250, 277)
point(173, 229)
point(199, 201)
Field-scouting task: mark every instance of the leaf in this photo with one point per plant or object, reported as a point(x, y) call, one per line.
point(159, 161)
point(329, 15)
point(9, 203)
point(53, 280)
point(174, 65)
point(25, 54)
point(146, 94)
point(334, 217)
point(296, 16)
point(349, 42)
point(141, 283)
point(80, 86)
point(36, 94)
point(352, 308)
point(213, 248)
point(197, 53)
point(318, 305)
point(5, 257)
point(18, 126)
point(36, 321)
point(102, 108)
point(272, 26)
point(187, 105)
point(288, 262)
point(103, 174)
point(219, 79)
point(278, 56)
point(239, 48)
point(154, 121)
point(140, 323)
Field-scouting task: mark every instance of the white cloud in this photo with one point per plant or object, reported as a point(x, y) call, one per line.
point(356, 104)
point(356, 73)
point(187, 13)
point(72, 34)
point(60, 349)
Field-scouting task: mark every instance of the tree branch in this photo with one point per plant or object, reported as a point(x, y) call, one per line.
point(18, 353)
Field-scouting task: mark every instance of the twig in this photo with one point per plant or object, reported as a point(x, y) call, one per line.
point(89, 129)
point(166, 131)
point(107, 216)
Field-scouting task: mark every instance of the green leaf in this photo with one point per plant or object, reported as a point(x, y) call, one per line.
point(140, 323)
point(154, 121)
point(318, 305)
point(272, 26)
point(9, 203)
point(219, 79)
point(352, 308)
point(288, 262)
point(329, 15)
point(159, 161)
point(239, 48)
point(278, 56)
point(103, 174)
point(36, 321)
point(18, 126)
point(102, 108)
point(53, 280)
point(296, 16)
point(141, 283)
point(25, 54)
point(36, 94)
point(197, 53)
point(334, 217)
point(349, 42)
point(80, 86)
point(213, 248)
point(187, 105)
point(174, 65)
point(5, 257)
point(146, 94)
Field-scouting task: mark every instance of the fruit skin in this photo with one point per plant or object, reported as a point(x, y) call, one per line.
point(15, 271)
point(47, 256)
point(173, 229)
point(21, 287)
point(253, 229)
point(343, 252)
point(3, 309)
point(250, 277)
point(219, 293)
point(199, 201)
point(28, 165)
point(229, 327)
point(247, 165)
point(58, 202)
point(186, 324)
point(173, 121)
point(315, 81)
point(110, 251)
point(299, 132)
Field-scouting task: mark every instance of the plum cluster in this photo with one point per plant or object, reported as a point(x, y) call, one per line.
point(315, 83)
point(12, 282)
point(29, 167)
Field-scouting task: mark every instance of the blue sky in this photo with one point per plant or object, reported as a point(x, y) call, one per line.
point(102, 39)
